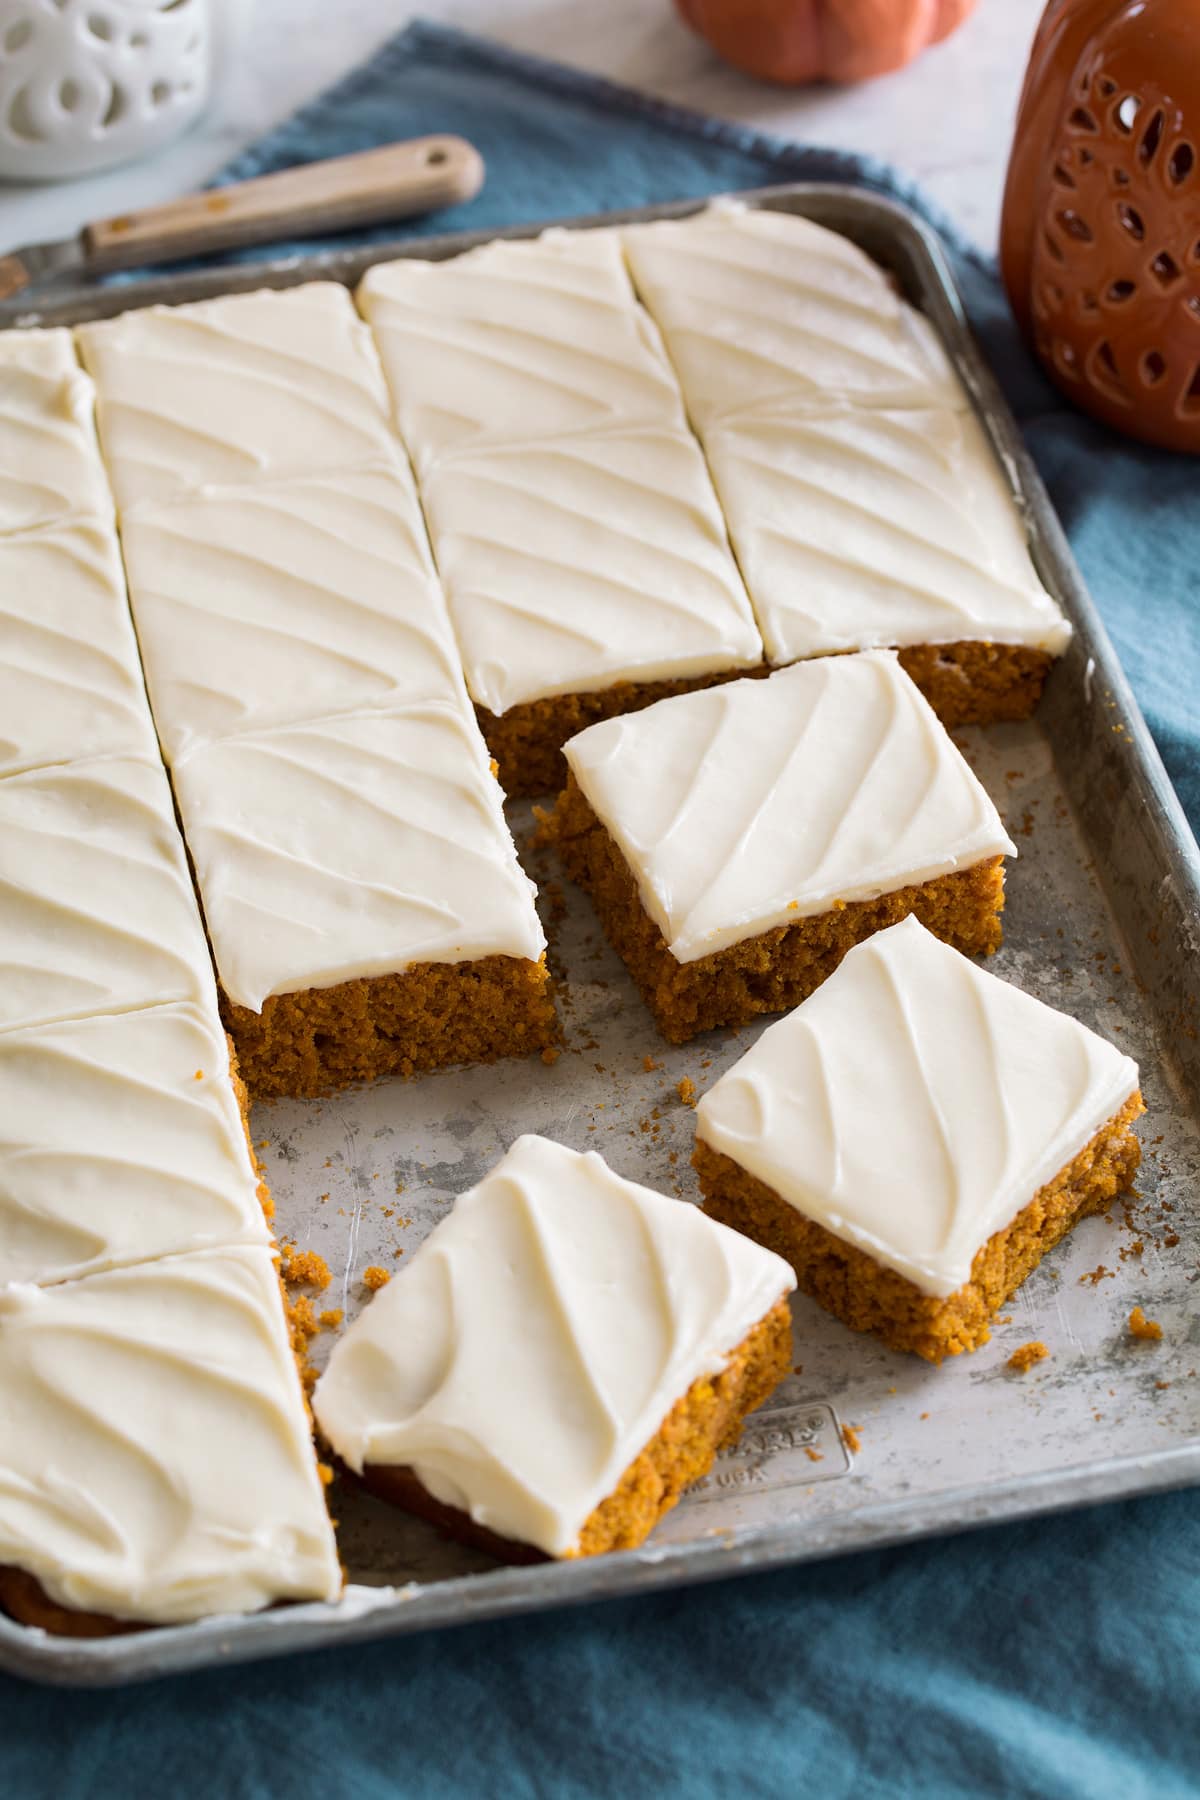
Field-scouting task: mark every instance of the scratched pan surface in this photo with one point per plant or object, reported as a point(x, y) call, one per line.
point(1103, 919)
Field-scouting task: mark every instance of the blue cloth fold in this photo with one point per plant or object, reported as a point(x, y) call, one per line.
point(1057, 1657)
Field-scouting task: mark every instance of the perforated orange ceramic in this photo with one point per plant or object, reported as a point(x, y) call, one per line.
point(1100, 237)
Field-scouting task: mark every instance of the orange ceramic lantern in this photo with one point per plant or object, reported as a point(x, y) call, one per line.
point(1100, 237)
point(794, 41)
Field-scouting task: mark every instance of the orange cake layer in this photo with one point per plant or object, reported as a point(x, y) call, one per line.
point(776, 969)
point(428, 1017)
point(527, 740)
point(977, 683)
point(706, 1419)
point(868, 1297)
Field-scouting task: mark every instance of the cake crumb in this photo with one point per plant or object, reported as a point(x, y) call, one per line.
point(1095, 1276)
point(686, 1089)
point(332, 1317)
point(375, 1277)
point(1026, 1356)
point(649, 1064)
point(851, 1439)
point(199, 1075)
point(550, 1055)
point(399, 1250)
point(1148, 1330)
point(924, 1415)
point(813, 1455)
point(307, 1267)
point(326, 1474)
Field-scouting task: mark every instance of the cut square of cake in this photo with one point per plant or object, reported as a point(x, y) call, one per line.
point(156, 1463)
point(872, 527)
point(286, 600)
point(737, 842)
point(585, 577)
point(49, 458)
point(566, 1352)
point(915, 1138)
point(235, 389)
point(363, 898)
point(517, 342)
point(761, 308)
point(121, 1140)
point(97, 911)
point(70, 681)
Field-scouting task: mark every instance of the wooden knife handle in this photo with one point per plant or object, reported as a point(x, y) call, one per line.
point(394, 182)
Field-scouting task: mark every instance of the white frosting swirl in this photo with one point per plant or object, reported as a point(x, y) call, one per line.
point(538, 1340)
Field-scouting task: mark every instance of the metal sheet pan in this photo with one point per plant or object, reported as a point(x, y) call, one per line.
point(1103, 919)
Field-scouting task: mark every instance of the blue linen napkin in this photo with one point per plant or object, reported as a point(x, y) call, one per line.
point(1057, 1657)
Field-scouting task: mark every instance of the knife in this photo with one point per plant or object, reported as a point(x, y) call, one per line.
point(394, 182)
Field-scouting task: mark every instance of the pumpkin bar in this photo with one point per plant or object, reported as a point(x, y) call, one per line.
point(519, 342)
point(49, 459)
point(121, 1140)
point(156, 1463)
point(737, 842)
point(586, 577)
point(364, 902)
point(286, 599)
point(858, 528)
point(235, 389)
point(604, 1343)
point(914, 1139)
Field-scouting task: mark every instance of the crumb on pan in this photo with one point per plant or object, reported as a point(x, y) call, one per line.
point(1148, 1330)
point(1026, 1356)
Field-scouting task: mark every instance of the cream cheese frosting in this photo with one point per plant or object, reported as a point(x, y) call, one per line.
point(355, 845)
point(97, 912)
point(155, 1457)
point(915, 1104)
point(863, 527)
point(120, 1141)
point(286, 600)
point(235, 389)
point(538, 1340)
point(761, 308)
point(70, 681)
point(757, 803)
point(49, 458)
point(515, 342)
point(597, 558)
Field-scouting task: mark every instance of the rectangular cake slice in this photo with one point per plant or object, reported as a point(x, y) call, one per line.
point(760, 309)
point(70, 681)
point(365, 905)
point(586, 577)
point(286, 599)
point(915, 1138)
point(49, 460)
point(875, 527)
point(121, 1140)
point(566, 1352)
point(737, 842)
point(515, 343)
point(156, 1463)
point(97, 911)
point(234, 389)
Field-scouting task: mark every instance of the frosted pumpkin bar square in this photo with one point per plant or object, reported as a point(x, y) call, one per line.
point(859, 528)
point(566, 1352)
point(367, 912)
point(517, 342)
point(49, 458)
point(156, 1462)
point(586, 577)
point(737, 842)
point(235, 389)
point(915, 1137)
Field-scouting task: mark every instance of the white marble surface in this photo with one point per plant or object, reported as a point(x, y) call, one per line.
point(946, 119)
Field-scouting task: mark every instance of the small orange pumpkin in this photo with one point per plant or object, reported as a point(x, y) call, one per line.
point(796, 41)
point(1100, 234)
